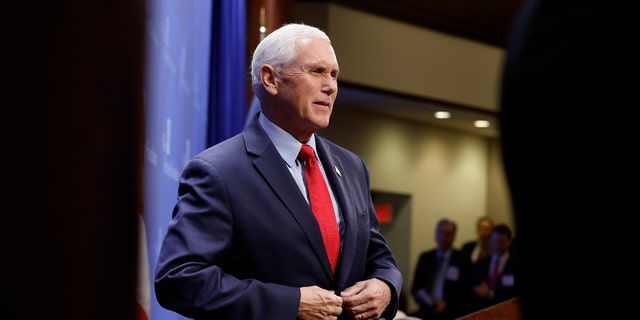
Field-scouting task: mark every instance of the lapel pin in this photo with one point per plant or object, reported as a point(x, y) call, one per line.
point(338, 172)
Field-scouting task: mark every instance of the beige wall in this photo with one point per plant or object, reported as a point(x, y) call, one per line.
point(384, 53)
point(445, 173)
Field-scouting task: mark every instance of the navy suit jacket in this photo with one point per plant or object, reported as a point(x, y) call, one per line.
point(468, 247)
point(243, 239)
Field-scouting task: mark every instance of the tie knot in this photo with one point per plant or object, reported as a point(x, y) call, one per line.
point(306, 152)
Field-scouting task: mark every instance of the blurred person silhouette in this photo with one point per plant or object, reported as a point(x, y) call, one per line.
point(493, 278)
point(571, 155)
point(441, 277)
point(479, 247)
point(244, 241)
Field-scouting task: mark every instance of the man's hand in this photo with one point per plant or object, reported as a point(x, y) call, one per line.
point(318, 303)
point(366, 299)
point(482, 290)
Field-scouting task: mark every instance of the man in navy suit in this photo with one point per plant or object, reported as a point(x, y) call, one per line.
point(493, 278)
point(441, 277)
point(243, 242)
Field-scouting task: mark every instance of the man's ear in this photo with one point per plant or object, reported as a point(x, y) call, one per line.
point(268, 77)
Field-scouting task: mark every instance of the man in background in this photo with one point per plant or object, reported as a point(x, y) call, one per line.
point(493, 278)
point(481, 246)
point(441, 277)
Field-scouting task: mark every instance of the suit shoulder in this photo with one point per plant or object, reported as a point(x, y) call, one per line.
point(428, 253)
point(469, 244)
point(222, 150)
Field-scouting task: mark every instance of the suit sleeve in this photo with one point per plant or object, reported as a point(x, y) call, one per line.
point(189, 278)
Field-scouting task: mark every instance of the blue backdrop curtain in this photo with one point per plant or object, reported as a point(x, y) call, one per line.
point(195, 96)
point(228, 102)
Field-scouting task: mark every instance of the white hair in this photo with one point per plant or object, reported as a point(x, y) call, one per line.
point(278, 50)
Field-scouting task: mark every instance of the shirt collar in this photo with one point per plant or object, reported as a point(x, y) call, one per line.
point(288, 147)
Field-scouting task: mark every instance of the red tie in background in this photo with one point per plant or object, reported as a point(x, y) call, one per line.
point(494, 274)
point(321, 204)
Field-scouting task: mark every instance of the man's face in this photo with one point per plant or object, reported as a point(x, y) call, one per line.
point(307, 88)
point(484, 229)
point(500, 243)
point(445, 235)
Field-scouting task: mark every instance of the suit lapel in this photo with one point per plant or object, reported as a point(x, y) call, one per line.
point(271, 167)
point(339, 184)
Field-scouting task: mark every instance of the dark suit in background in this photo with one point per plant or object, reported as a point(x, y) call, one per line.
point(456, 282)
point(468, 248)
point(505, 288)
point(572, 157)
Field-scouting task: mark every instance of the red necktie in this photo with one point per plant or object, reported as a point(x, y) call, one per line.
point(321, 204)
point(494, 274)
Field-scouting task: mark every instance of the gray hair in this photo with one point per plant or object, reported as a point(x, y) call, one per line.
point(278, 50)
